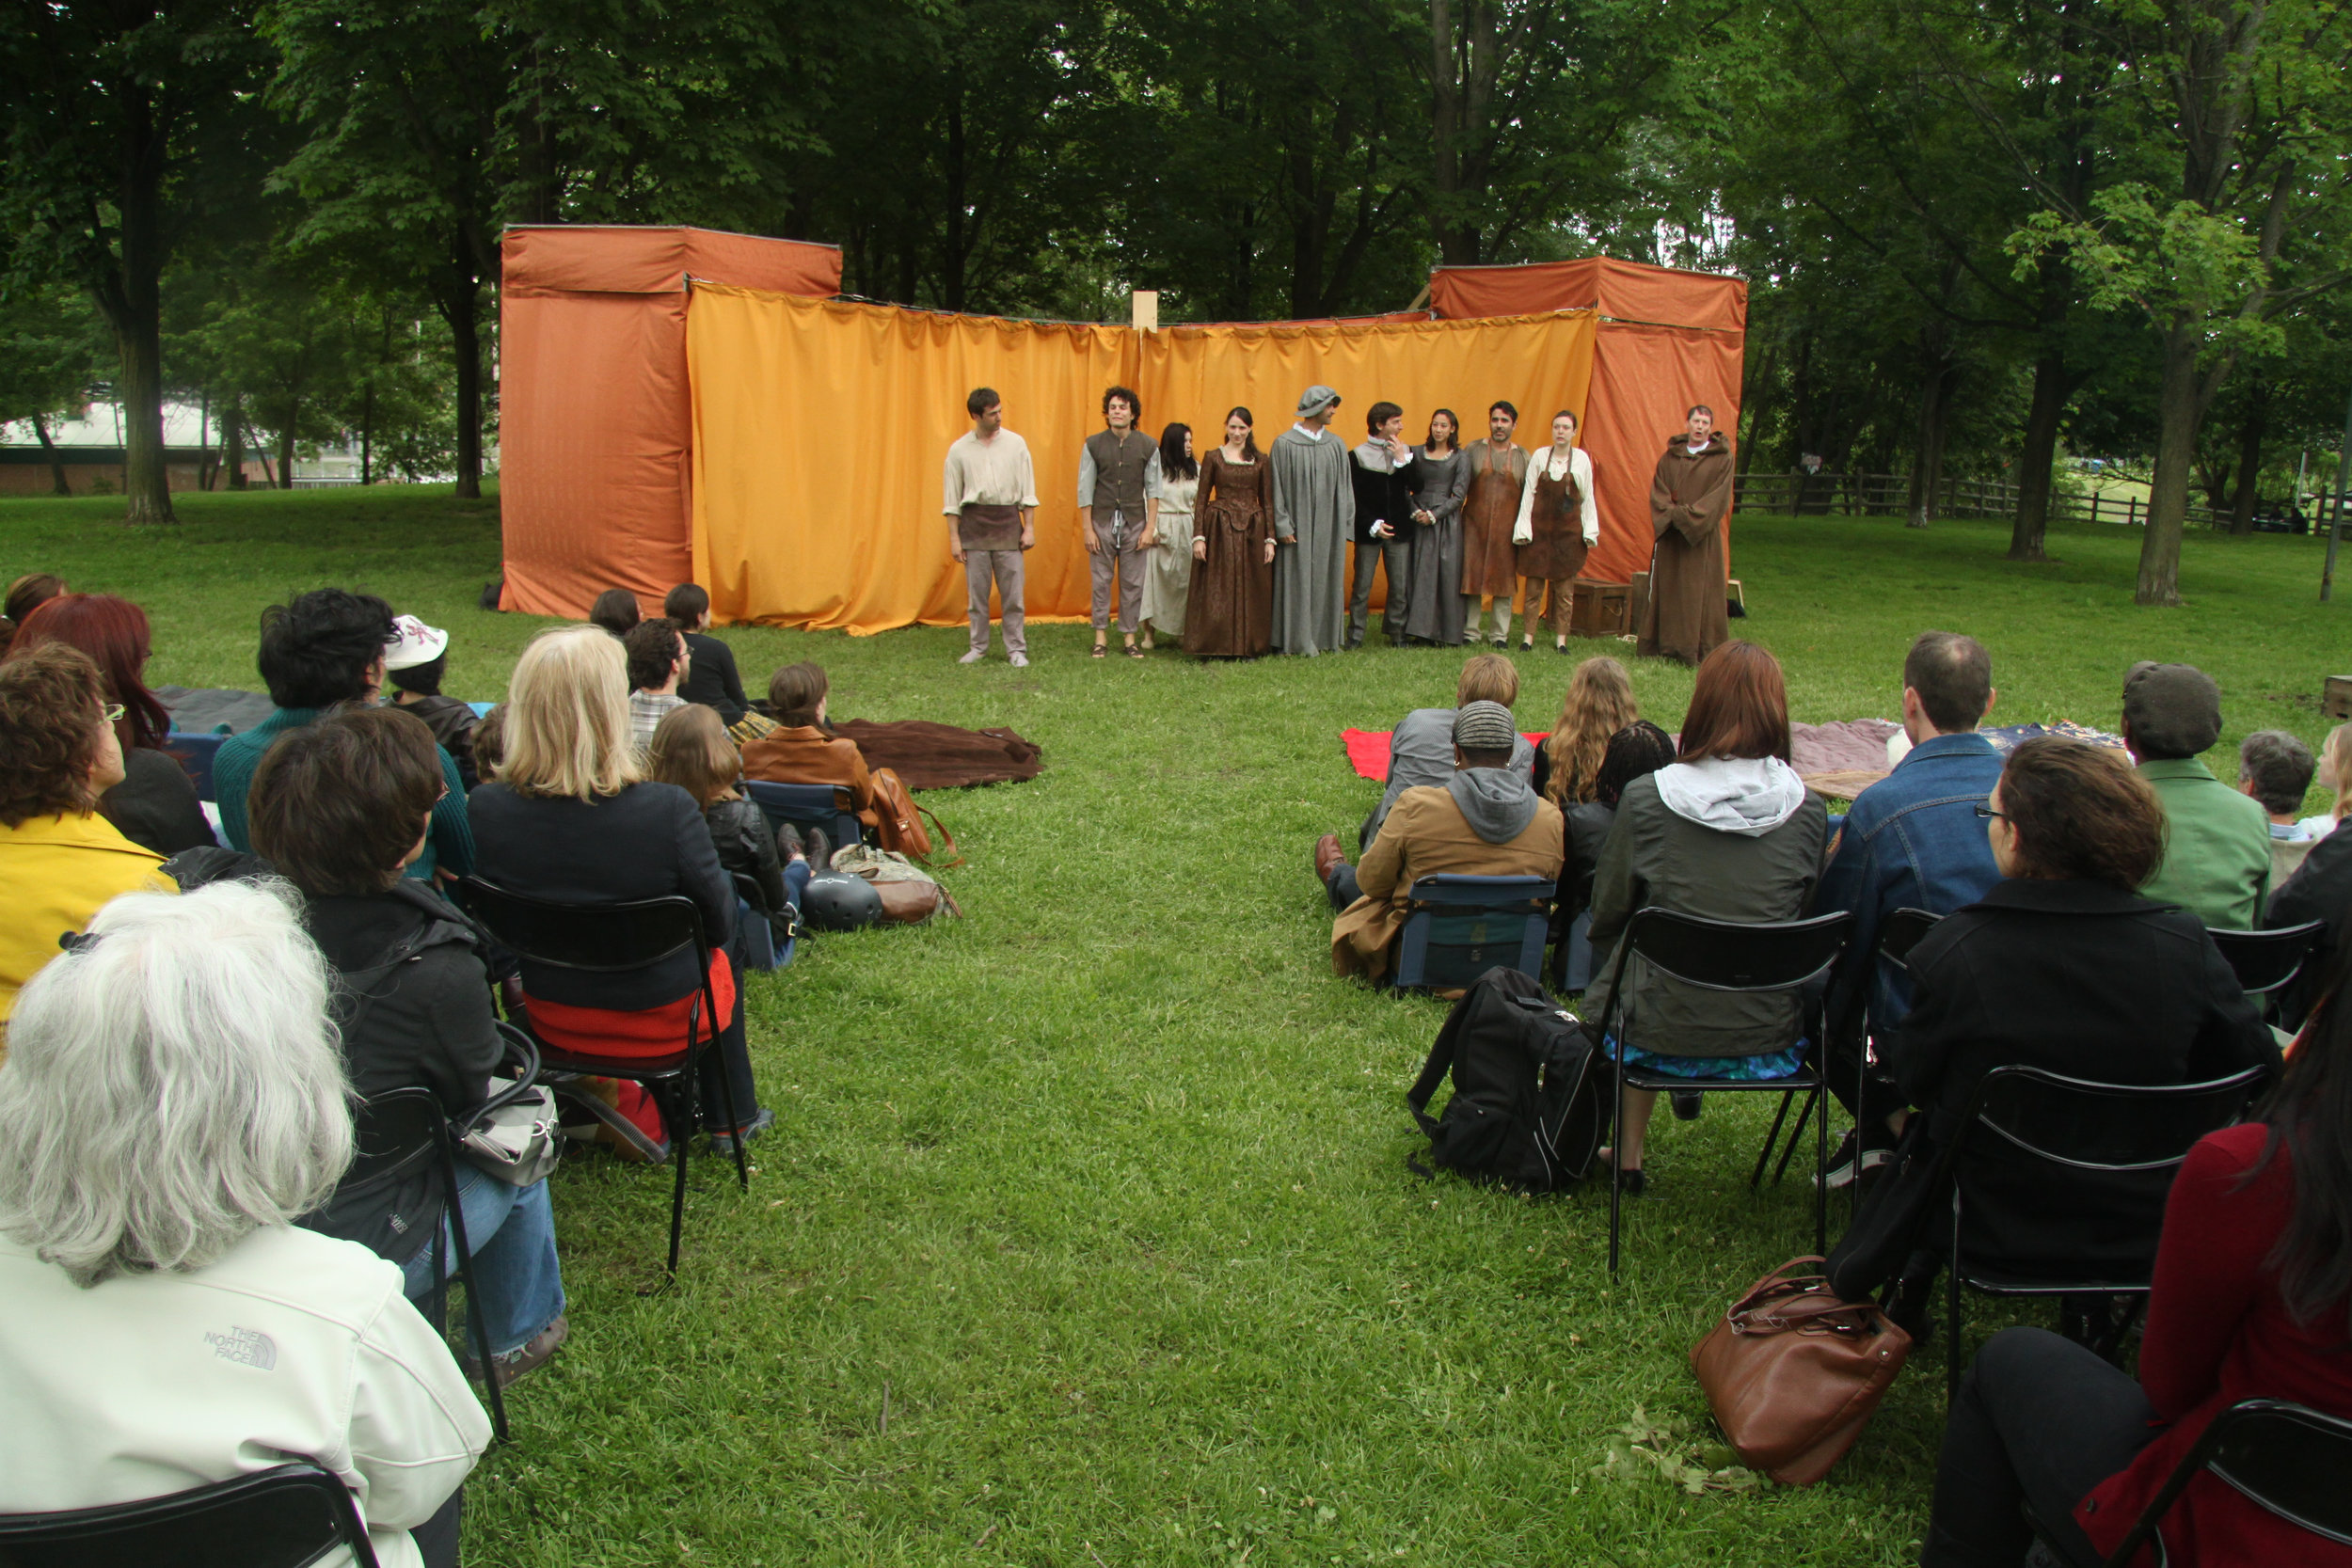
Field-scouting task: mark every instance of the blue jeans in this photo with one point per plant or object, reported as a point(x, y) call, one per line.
point(513, 1233)
point(760, 947)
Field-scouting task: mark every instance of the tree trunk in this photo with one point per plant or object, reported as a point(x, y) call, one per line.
point(1927, 457)
point(56, 465)
point(286, 453)
point(2050, 393)
point(951, 269)
point(131, 297)
point(2177, 416)
point(459, 301)
point(2250, 457)
point(367, 437)
point(232, 442)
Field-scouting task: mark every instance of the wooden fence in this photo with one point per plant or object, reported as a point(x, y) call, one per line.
point(1799, 495)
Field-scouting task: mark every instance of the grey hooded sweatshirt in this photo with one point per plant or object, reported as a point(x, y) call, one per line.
point(1737, 839)
point(1495, 802)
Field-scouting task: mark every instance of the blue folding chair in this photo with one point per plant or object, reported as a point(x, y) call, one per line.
point(1460, 926)
point(196, 753)
point(826, 808)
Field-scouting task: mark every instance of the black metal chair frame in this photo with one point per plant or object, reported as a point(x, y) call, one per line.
point(1816, 943)
point(1958, 1279)
point(155, 1524)
point(1527, 899)
point(2279, 1419)
point(1899, 933)
point(2266, 962)
point(671, 1078)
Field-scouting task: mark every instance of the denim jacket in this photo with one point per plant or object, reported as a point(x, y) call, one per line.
point(1913, 840)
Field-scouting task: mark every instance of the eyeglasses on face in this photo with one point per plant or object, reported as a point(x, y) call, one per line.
point(1988, 811)
point(112, 713)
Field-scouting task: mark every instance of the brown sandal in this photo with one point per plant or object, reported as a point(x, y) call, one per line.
point(1101, 650)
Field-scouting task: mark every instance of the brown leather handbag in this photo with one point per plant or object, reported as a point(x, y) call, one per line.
point(900, 827)
point(1793, 1374)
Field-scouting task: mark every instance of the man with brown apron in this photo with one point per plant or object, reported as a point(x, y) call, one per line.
point(991, 495)
point(1118, 482)
point(1490, 571)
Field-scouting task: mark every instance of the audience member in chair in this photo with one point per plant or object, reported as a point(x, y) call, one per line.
point(692, 751)
point(338, 810)
point(155, 805)
point(2274, 770)
point(1421, 751)
point(1727, 832)
point(571, 819)
point(2216, 853)
point(172, 1100)
point(2253, 1299)
point(658, 663)
point(2063, 966)
point(59, 860)
point(1484, 821)
point(1913, 840)
point(804, 749)
point(327, 647)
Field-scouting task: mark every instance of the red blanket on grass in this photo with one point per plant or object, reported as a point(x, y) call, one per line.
point(1847, 757)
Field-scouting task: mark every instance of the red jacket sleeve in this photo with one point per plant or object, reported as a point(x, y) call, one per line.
point(2217, 1231)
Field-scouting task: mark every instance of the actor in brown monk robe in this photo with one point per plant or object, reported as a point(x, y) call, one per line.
point(1686, 616)
point(1490, 571)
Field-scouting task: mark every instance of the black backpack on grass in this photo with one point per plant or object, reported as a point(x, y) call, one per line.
point(1525, 1111)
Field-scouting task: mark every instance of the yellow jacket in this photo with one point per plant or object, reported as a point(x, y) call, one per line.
point(55, 872)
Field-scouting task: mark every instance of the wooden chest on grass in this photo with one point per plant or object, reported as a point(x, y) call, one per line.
point(1602, 609)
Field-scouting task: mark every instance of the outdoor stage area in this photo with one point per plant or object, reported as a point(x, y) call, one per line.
point(1100, 1194)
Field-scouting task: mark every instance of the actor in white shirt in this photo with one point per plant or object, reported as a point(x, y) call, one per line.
point(991, 501)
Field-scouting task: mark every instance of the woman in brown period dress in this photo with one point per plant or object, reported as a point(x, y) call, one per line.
point(1557, 524)
point(1231, 614)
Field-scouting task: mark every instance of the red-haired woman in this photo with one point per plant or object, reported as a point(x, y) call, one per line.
point(1728, 831)
point(155, 804)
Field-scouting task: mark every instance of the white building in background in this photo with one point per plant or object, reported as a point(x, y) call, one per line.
point(91, 450)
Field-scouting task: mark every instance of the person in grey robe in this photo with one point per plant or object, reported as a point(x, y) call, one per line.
point(1314, 513)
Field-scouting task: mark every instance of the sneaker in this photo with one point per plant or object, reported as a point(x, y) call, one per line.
point(527, 1357)
point(724, 1145)
point(974, 657)
point(1020, 662)
point(1687, 1103)
point(1846, 1166)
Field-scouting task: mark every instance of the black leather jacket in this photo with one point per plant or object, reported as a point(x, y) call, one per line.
point(747, 848)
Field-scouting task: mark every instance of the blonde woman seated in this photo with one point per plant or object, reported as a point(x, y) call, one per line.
point(172, 1100)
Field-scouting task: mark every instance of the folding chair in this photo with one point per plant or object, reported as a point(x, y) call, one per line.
point(2287, 1458)
point(1899, 933)
point(2265, 962)
point(287, 1516)
point(606, 938)
point(826, 808)
point(1731, 956)
point(1460, 926)
point(2071, 1126)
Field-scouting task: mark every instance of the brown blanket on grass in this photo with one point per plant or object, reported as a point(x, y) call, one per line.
point(940, 757)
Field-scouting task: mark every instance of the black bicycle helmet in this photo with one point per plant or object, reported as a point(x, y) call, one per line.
point(836, 901)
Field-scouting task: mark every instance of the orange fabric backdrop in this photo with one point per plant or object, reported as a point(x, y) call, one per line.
point(594, 482)
point(819, 430)
point(1621, 290)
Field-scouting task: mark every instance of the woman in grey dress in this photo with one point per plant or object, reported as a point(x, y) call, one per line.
point(1440, 478)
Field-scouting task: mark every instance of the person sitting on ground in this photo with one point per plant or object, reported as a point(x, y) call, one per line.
point(657, 666)
point(571, 818)
point(690, 749)
point(26, 595)
point(710, 676)
point(1599, 704)
point(59, 860)
point(489, 743)
point(172, 1102)
point(2335, 777)
point(616, 611)
point(327, 647)
point(339, 809)
point(1728, 831)
point(1483, 820)
point(155, 805)
point(2275, 771)
point(1911, 841)
point(2216, 854)
point(804, 749)
point(1633, 752)
point(415, 661)
point(2253, 1299)
point(1420, 749)
point(2063, 965)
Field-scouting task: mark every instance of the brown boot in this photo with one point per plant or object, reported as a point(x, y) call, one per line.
point(1328, 854)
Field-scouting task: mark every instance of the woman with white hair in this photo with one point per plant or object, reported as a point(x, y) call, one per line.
point(171, 1100)
point(573, 820)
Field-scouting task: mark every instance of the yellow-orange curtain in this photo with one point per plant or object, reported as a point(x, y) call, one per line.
point(820, 429)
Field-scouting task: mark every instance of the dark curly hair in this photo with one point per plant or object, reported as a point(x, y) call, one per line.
point(653, 646)
point(316, 651)
point(51, 702)
point(1134, 405)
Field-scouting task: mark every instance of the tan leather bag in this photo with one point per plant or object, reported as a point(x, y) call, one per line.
point(1793, 1374)
point(900, 825)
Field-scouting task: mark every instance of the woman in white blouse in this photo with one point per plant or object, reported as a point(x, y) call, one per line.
point(1168, 581)
point(173, 1099)
point(1558, 523)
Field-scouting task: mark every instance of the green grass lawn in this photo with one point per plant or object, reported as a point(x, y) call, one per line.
point(1100, 1194)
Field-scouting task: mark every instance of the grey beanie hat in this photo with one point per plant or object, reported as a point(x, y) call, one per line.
point(1484, 727)
point(1314, 400)
point(2174, 710)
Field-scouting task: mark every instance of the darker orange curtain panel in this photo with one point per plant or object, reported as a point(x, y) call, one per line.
point(1644, 380)
point(820, 429)
point(1620, 291)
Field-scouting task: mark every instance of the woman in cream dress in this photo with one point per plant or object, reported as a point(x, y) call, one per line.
point(1168, 583)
